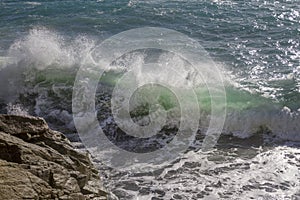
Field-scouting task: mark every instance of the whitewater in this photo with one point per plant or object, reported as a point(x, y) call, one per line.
point(253, 44)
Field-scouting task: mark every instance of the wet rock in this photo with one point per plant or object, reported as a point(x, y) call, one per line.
point(39, 163)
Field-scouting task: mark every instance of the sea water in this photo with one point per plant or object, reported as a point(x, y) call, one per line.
point(255, 46)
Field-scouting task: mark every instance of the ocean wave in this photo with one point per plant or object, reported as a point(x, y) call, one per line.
point(45, 63)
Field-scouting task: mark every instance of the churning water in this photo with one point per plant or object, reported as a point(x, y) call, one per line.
point(254, 44)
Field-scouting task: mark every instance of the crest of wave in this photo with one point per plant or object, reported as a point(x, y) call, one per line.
point(43, 48)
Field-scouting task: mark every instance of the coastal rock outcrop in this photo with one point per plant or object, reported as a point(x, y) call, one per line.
point(39, 163)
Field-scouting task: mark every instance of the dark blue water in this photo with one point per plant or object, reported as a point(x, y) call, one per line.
point(257, 40)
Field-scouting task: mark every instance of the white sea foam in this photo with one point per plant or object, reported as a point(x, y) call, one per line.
point(271, 174)
point(33, 3)
point(43, 48)
point(284, 123)
point(16, 109)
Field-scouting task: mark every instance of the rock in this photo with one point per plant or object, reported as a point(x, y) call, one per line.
point(17, 183)
point(39, 163)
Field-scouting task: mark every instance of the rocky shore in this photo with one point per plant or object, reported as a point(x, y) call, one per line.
point(39, 163)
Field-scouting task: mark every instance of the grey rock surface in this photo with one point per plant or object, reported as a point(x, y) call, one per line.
point(39, 163)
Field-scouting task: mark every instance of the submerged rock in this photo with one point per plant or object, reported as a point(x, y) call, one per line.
point(39, 163)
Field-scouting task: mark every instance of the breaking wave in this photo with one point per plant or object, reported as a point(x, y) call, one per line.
point(39, 71)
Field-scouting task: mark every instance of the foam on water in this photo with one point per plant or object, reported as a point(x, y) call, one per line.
point(47, 61)
point(256, 44)
point(16, 109)
point(268, 174)
point(43, 48)
point(35, 60)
